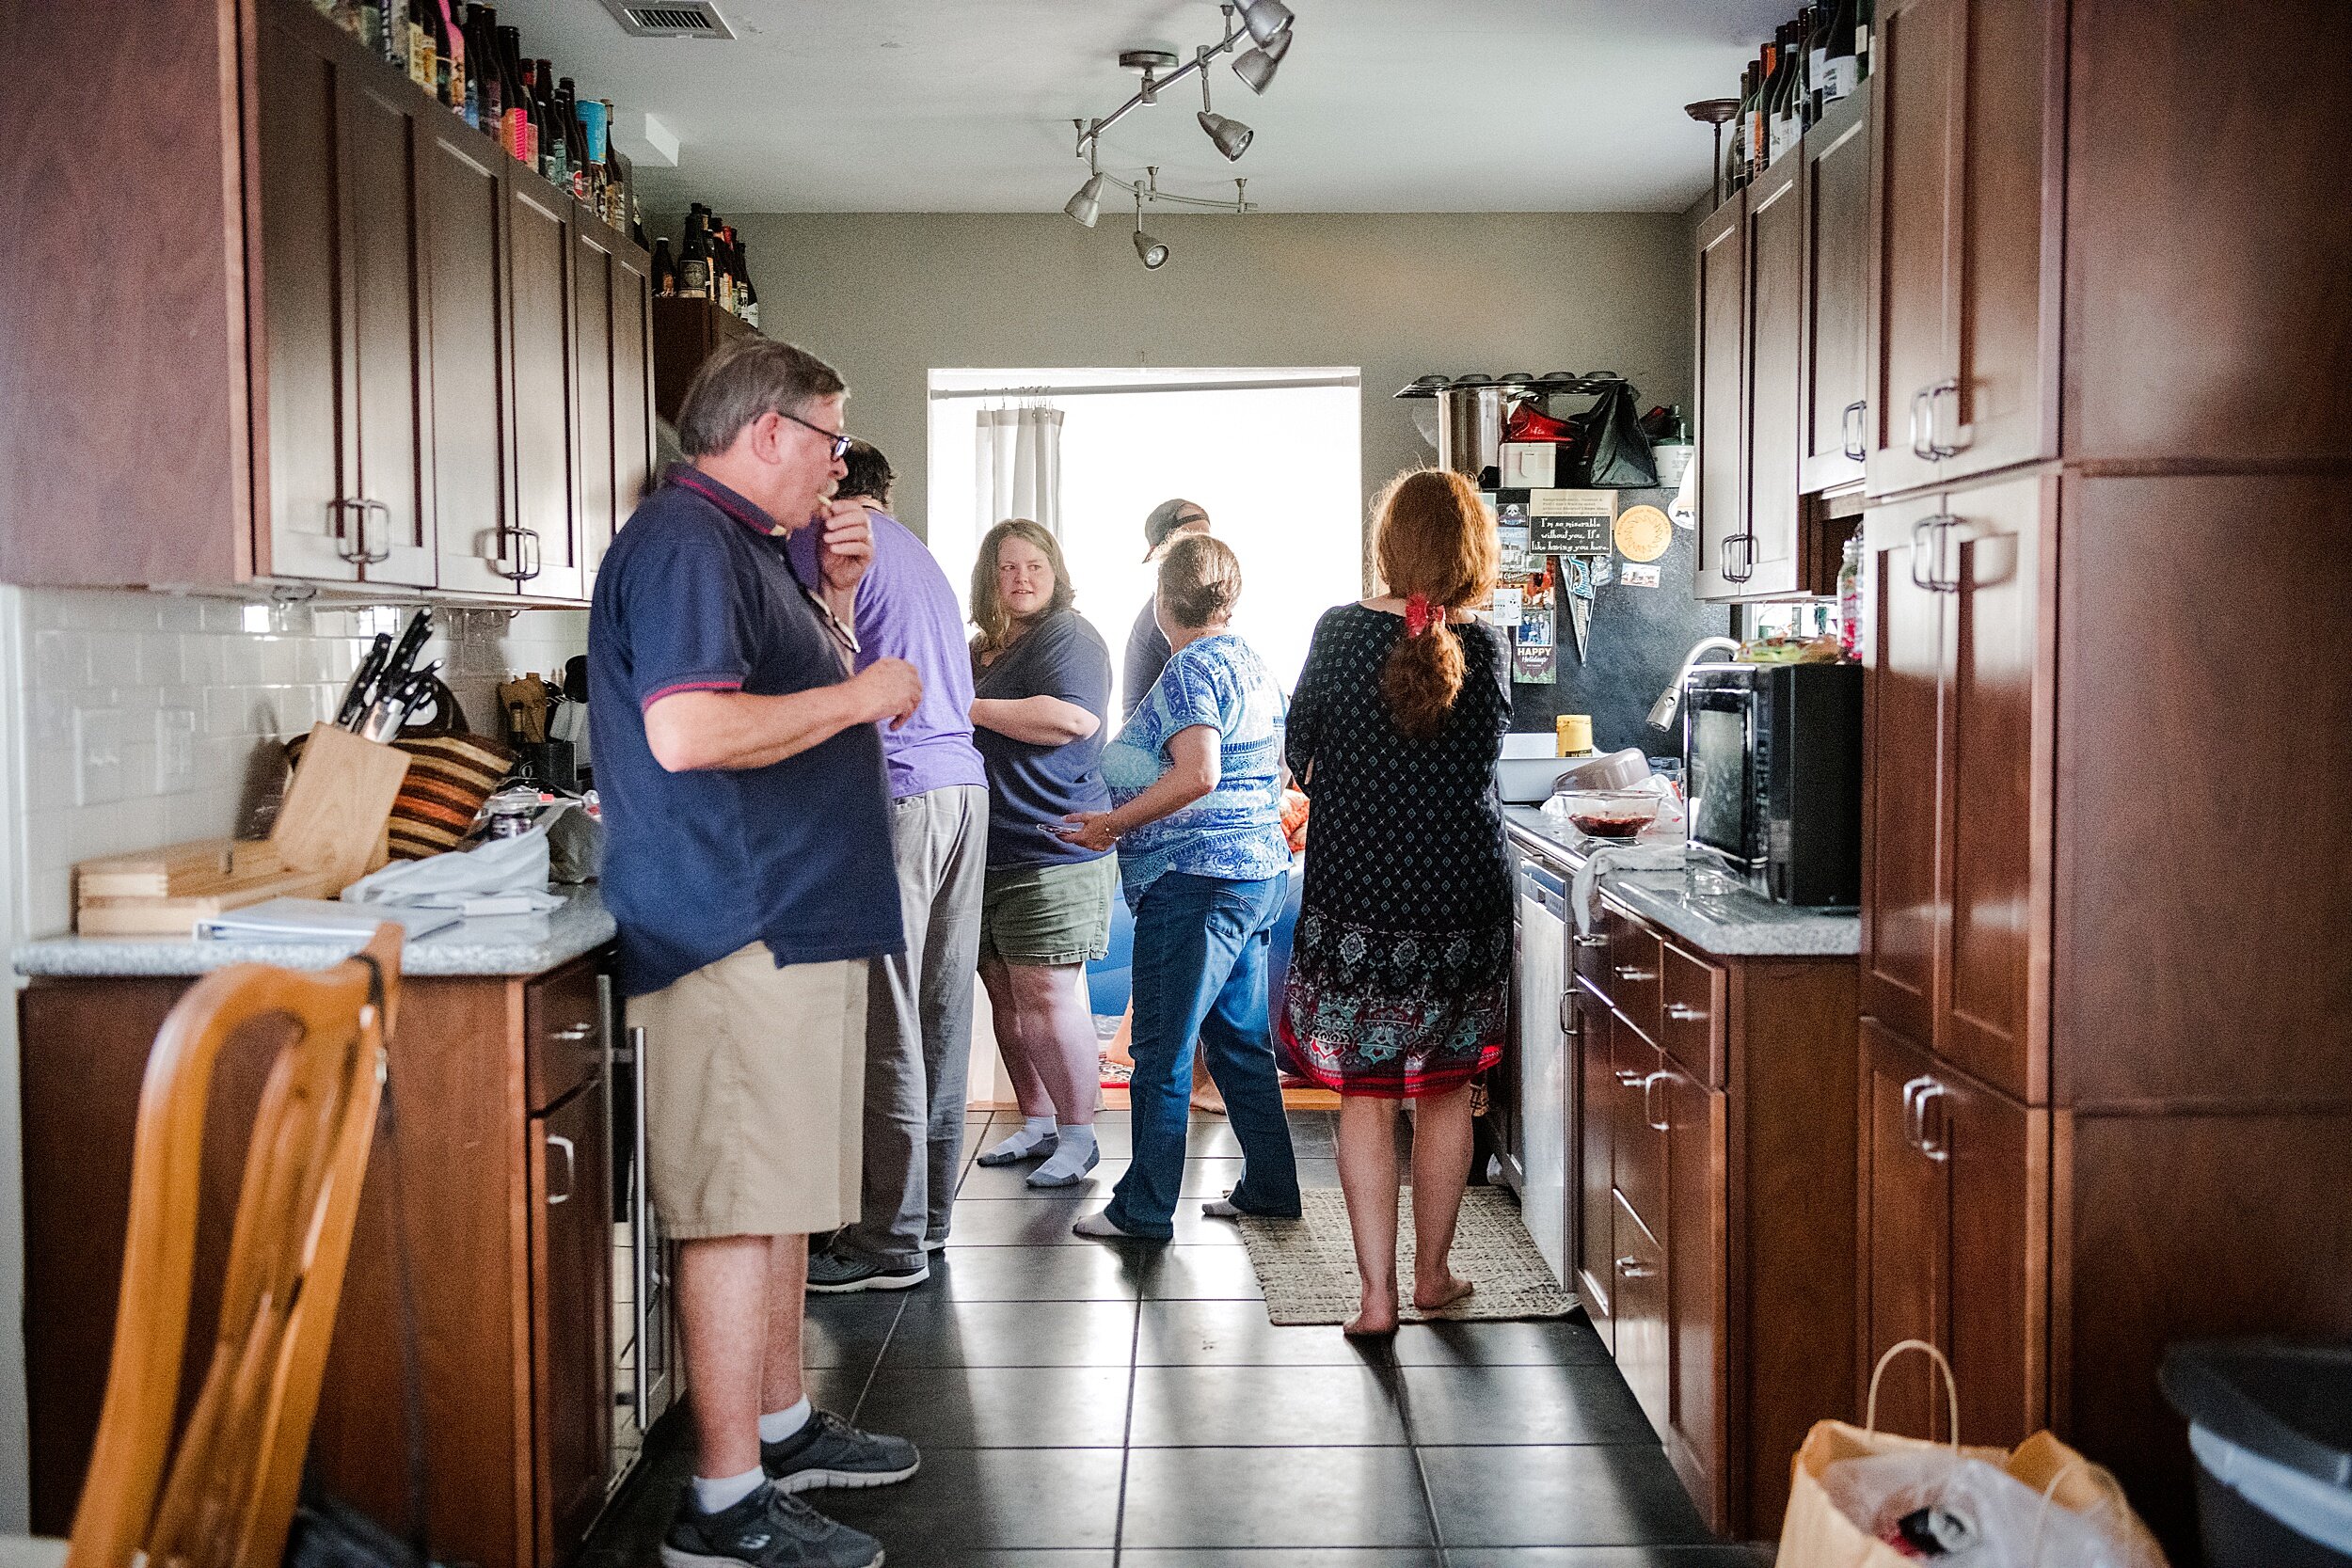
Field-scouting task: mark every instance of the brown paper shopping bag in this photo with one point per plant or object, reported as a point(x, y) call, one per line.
point(1815, 1534)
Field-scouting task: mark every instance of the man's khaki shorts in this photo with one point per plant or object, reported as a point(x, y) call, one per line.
point(754, 1096)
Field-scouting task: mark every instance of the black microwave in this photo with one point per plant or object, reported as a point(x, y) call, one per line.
point(1774, 776)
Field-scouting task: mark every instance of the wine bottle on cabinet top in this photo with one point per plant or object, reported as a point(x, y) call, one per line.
point(1838, 70)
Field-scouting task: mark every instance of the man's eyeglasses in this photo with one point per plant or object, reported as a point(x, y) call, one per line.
point(840, 440)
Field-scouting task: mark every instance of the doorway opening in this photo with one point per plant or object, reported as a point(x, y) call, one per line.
point(1272, 455)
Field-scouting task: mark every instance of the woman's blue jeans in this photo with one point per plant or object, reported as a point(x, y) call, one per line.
point(1201, 972)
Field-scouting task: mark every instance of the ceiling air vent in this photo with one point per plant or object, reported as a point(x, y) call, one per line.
point(681, 19)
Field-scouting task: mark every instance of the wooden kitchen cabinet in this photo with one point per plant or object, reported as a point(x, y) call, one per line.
point(1644, 1343)
point(1954, 1190)
point(1967, 156)
point(1762, 557)
point(686, 332)
point(1833, 362)
point(1719, 365)
point(610, 290)
point(362, 349)
point(1698, 1259)
point(503, 1209)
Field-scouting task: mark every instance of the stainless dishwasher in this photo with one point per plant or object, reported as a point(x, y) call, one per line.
point(1547, 1077)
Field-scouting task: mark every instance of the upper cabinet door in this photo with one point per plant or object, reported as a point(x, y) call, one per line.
point(543, 545)
point(1762, 560)
point(593, 287)
point(2007, 280)
point(1901, 800)
point(632, 384)
point(1916, 60)
point(387, 344)
point(1722, 366)
point(1999, 775)
point(305, 489)
point(1833, 404)
point(466, 237)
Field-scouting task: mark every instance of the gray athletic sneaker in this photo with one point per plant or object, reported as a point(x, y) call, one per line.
point(833, 1274)
point(829, 1451)
point(766, 1529)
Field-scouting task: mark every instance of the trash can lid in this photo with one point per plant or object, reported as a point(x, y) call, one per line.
point(2289, 1403)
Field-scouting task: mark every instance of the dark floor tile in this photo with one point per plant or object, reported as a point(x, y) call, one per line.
point(1281, 1556)
point(1038, 1273)
point(1044, 1223)
point(1474, 1343)
point(941, 1331)
point(967, 1500)
point(1321, 1497)
point(1264, 1407)
point(1199, 1274)
point(1599, 1495)
point(1236, 1334)
point(1000, 1407)
point(848, 1330)
point(1205, 1179)
point(985, 1182)
point(1527, 1404)
point(1608, 1557)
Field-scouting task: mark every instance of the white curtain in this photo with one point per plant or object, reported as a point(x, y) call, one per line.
point(1019, 469)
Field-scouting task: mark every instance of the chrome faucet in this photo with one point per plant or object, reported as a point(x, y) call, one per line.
point(1661, 712)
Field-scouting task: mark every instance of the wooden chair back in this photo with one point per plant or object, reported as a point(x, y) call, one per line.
point(230, 1492)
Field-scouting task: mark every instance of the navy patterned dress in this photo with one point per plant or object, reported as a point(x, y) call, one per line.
point(1400, 971)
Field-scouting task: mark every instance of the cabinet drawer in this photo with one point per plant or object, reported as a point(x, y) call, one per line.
point(563, 1033)
point(1644, 1354)
point(1639, 1133)
point(1635, 956)
point(1691, 1024)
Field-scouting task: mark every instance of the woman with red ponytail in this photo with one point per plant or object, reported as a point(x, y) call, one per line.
point(1400, 971)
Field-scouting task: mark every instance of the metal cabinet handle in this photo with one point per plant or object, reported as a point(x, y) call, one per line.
point(1853, 435)
point(571, 1170)
point(367, 510)
point(1595, 939)
point(1938, 1149)
point(1684, 1013)
point(1628, 1077)
point(1747, 557)
point(1633, 975)
point(1650, 1087)
point(355, 551)
point(1930, 549)
point(1935, 395)
point(571, 1034)
point(1922, 442)
point(527, 563)
point(1568, 1014)
point(1632, 1268)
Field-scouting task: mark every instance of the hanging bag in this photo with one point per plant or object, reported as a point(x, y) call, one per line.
point(1611, 451)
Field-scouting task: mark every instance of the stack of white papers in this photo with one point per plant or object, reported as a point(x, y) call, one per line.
point(318, 920)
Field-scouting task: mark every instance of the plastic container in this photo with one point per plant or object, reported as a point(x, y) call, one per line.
point(2270, 1423)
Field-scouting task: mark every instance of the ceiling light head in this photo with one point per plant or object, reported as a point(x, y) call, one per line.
point(1266, 20)
point(1086, 205)
point(1150, 251)
point(1256, 69)
point(1230, 135)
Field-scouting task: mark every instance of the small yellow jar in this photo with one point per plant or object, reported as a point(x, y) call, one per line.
point(1573, 732)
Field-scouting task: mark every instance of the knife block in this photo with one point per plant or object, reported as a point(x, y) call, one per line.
point(338, 808)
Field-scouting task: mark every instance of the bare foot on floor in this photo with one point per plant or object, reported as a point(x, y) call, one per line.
point(1437, 1297)
point(1374, 1320)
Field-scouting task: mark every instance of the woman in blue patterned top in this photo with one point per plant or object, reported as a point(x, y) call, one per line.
point(1196, 781)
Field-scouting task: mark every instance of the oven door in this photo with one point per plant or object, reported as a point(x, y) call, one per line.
point(1719, 738)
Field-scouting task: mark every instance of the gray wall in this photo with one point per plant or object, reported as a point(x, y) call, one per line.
point(888, 297)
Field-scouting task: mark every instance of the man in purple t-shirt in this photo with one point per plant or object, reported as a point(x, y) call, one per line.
point(919, 1027)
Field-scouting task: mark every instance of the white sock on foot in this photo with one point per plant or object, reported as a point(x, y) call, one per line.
point(714, 1496)
point(777, 1425)
point(1099, 1226)
point(1073, 1158)
point(1221, 1208)
point(1036, 1133)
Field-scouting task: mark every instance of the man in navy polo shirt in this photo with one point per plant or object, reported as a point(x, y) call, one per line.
point(749, 867)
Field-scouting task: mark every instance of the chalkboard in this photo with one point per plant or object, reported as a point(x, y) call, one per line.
point(1567, 536)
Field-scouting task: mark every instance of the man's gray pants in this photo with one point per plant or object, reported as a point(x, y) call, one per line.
point(918, 1029)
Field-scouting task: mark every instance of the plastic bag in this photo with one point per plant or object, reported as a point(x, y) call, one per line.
point(2006, 1523)
point(503, 867)
point(1611, 451)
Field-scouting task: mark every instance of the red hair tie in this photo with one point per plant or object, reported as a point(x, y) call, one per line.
point(1417, 617)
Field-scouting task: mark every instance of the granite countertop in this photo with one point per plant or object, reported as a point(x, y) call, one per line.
point(500, 944)
point(1698, 903)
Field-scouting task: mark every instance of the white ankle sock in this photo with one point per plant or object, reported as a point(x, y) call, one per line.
point(1036, 1133)
point(777, 1425)
point(1073, 1156)
point(714, 1496)
point(1099, 1224)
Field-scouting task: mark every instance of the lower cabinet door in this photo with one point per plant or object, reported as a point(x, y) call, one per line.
point(1956, 1236)
point(1698, 1183)
point(571, 1304)
point(1596, 1099)
point(1644, 1354)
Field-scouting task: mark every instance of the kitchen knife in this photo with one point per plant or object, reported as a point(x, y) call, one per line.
point(362, 691)
point(411, 642)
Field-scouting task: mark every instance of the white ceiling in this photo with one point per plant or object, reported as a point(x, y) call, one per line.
point(965, 105)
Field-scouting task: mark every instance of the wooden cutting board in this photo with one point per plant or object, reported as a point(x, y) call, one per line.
point(339, 805)
point(174, 870)
point(177, 914)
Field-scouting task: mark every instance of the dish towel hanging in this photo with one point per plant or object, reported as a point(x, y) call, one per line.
point(1020, 466)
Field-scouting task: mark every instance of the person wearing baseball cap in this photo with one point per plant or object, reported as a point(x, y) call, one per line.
point(1148, 651)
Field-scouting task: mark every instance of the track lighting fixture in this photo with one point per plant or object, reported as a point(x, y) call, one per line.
point(1230, 135)
point(1151, 252)
point(1088, 205)
point(1266, 20)
point(1256, 69)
